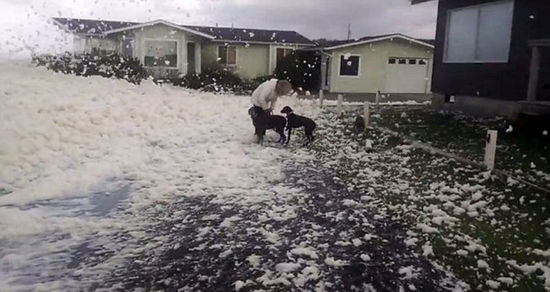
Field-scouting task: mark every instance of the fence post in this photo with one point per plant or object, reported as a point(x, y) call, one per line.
point(377, 98)
point(366, 114)
point(339, 105)
point(490, 149)
point(321, 98)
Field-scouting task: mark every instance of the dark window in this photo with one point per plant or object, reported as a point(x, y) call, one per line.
point(391, 61)
point(412, 61)
point(402, 61)
point(349, 66)
point(222, 54)
point(422, 62)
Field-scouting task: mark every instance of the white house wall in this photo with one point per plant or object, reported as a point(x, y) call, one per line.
point(373, 62)
point(162, 33)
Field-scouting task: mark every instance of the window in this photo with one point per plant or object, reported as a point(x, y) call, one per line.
point(349, 66)
point(161, 54)
point(412, 61)
point(281, 53)
point(402, 61)
point(479, 33)
point(421, 62)
point(392, 61)
point(227, 55)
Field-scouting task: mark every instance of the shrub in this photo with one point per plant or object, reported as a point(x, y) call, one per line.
point(253, 83)
point(301, 69)
point(213, 78)
point(111, 65)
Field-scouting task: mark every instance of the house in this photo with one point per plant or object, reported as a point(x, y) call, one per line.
point(492, 57)
point(166, 48)
point(393, 63)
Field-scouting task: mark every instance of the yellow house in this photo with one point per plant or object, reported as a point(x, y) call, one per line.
point(165, 48)
point(391, 64)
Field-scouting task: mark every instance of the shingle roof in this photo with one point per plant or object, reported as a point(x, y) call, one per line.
point(323, 43)
point(90, 26)
point(253, 35)
point(418, 1)
point(98, 27)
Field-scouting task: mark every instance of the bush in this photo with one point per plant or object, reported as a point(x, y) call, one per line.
point(214, 78)
point(253, 83)
point(111, 65)
point(301, 69)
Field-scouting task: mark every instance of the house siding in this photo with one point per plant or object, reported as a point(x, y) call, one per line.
point(505, 81)
point(252, 60)
point(161, 32)
point(373, 62)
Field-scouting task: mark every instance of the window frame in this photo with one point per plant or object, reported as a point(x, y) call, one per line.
point(227, 55)
point(358, 66)
point(145, 40)
point(478, 8)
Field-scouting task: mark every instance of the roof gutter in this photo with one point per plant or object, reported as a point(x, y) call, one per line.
point(262, 43)
point(381, 39)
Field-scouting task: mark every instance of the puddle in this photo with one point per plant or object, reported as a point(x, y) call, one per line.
point(104, 202)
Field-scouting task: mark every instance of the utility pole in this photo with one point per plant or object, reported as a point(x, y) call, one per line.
point(349, 31)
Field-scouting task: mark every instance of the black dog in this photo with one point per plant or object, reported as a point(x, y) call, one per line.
point(263, 121)
point(359, 125)
point(296, 121)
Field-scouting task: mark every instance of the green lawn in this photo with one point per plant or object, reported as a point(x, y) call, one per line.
point(469, 217)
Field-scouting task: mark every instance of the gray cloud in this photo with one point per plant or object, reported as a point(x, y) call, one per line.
point(26, 20)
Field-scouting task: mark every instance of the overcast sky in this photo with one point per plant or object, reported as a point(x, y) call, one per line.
point(25, 27)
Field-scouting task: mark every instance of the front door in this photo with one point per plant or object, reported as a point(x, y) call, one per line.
point(191, 58)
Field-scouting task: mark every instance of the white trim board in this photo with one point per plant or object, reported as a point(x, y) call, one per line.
point(404, 37)
point(159, 21)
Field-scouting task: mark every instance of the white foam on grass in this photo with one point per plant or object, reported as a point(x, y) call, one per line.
point(65, 137)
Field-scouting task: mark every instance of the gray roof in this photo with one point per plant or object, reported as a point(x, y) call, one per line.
point(324, 43)
point(252, 35)
point(418, 1)
point(90, 26)
point(98, 27)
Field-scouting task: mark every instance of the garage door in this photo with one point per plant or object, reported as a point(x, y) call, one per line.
point(406, 75)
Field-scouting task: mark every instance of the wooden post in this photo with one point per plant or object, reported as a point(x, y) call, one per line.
point(490, 149)
point(377, 101)
point(321, 98)
point(366, 114)
point(339, 105)
point(533, 74)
